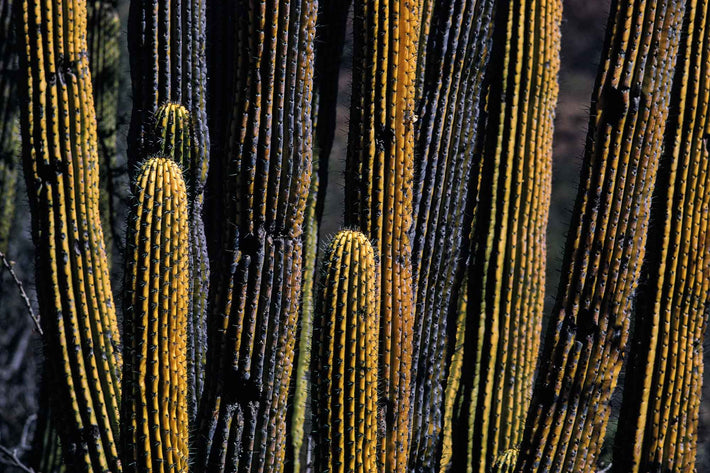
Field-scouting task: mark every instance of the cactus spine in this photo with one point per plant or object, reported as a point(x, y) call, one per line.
point(659, 416)
point(61, 169)
point(345, 363)
point(154, 417)
point(589, 328)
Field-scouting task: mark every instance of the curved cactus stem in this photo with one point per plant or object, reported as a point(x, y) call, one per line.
point(154, 417)
point(662, 388)
point(588, 332)
point(345, 367)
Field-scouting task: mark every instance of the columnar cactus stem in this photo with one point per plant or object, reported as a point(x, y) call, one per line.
point(46, 455)
point(61, 169)
point(378, 190)
point(506, 462)
point(658, 420)
point(345, 363)
point(154, 417)
point(254, 304)
point(445, 134)
point(589, 328)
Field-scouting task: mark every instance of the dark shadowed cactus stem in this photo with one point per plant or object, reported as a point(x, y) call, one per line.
point(46, 454)
point(154, 417)
point(662, 389)
point(378, 191)
point(103, 36)
point(588, 332)
point(346, 329)
point(445, 133)
point(61, 168)
point(257, 286)
point(506, 270)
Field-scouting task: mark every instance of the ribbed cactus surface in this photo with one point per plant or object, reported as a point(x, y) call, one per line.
point(9, 132)
point(506, 462)
point(662, 388)
point(378, 191)
point(61, 169)
point(345, 402)
point(154, 417)
point(588, 332)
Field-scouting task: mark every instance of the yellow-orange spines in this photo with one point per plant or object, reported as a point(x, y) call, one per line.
point(154, 416)
point(345, 358)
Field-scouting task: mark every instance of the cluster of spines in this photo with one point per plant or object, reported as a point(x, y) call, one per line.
point(662, 388)
point(154, 417)
point(445, 132)
point(346, 328)
point(61, 169)
point(265, 182)
point(378, 190)
point(605, 247)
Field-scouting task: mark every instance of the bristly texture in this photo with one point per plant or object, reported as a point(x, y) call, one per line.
point(506, 268)
point(59, 139)
point(662, 388)
point(456, 57)
point(154, 417)
point(588, 332)
point(257, 285)
point(378, 191)
point(345, 362)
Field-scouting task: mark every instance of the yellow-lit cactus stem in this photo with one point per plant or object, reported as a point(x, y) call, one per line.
point(346, 329)
point(445, 136)
point(506, 462)
point(378, 192)
point(81, 336)
point(173, 137)
point(658, 420)
point(588, 332)
point(154, 417)
point(506, 266)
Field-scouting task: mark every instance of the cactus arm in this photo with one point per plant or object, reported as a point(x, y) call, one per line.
point(588, 333)
point(345, 366)
point(661, 383)
point(154, 418)
point(61, 169)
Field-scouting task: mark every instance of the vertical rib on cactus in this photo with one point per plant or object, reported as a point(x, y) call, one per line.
point(154, 417)
point(506, 462)
point(345, 363)
point(378, 190)
point(658, 420)
point(46, 453)
point(104, 34)
point(589, 328)
point(254, 305)
point(507, 266)
point(61, 169)
point(445, 134)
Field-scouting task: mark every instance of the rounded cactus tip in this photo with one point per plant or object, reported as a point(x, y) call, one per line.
point(505, 463)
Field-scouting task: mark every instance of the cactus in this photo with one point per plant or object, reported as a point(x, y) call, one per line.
point(345, 364)
point(378, 191)
point(46, 452)
point(61, 170)
point(445, 135)
point(506, 462)
point(588, 332)
point(658, 420)
point(154, 417)
point(254, 306)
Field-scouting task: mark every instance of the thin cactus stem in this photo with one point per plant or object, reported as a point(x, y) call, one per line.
point(154, 417)
point(59, 138)
point(345, 364)
point(588, 332)
point(378, 191)
point(658, 419)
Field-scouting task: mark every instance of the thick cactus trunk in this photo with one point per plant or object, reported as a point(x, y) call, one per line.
point(662, 389)
point(345, 362)
point(588, 332)
point(254, 305)
point(154, 416)
point(61, 169)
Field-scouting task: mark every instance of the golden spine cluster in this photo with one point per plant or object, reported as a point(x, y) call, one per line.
point(154, 416)
point(346, 329)
point(606, 244)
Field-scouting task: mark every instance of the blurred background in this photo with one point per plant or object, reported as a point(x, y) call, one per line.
point(582, 35)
